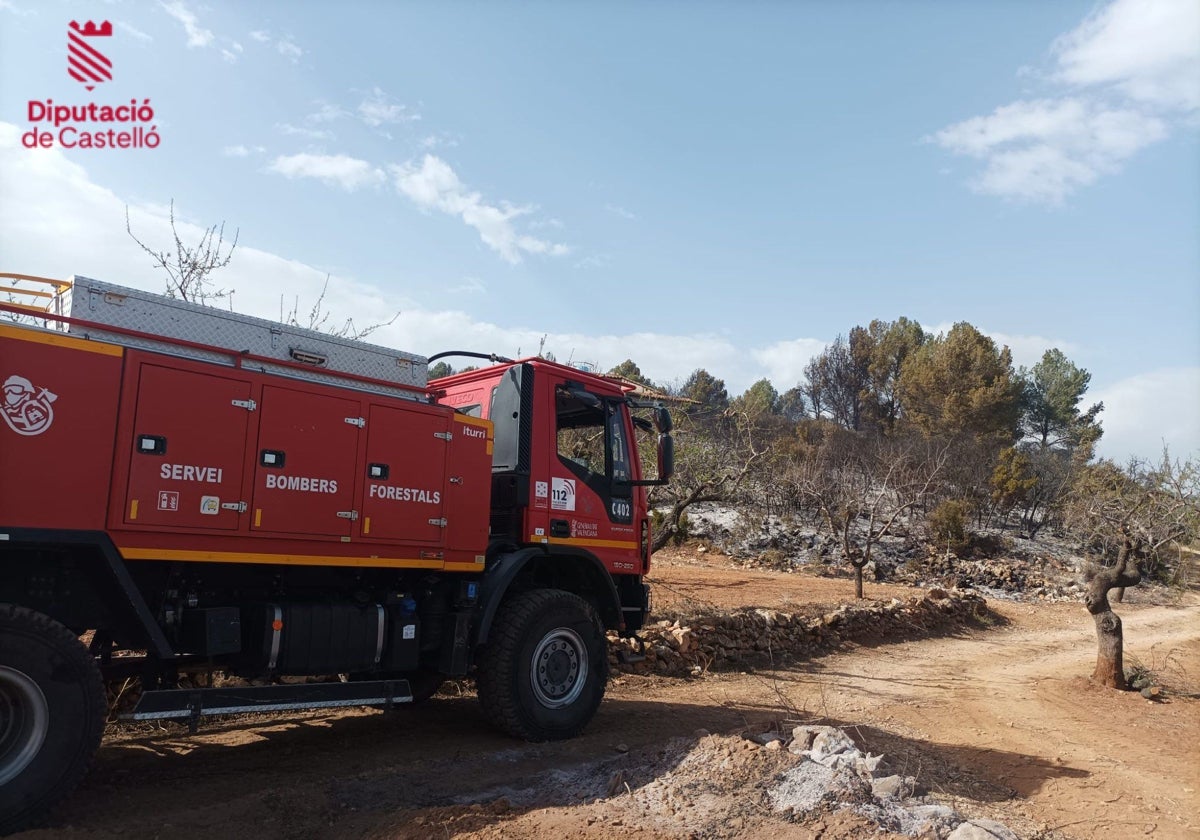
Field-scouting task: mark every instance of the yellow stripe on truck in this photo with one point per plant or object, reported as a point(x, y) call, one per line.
point(281, 559)
point(630, 544)
point(60, 340)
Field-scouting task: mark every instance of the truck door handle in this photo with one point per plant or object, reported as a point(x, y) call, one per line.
point(560, 528)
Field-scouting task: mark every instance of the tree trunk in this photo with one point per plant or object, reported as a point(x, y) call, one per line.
point(1110, 663)
point(1119, 594)
point(1110, 666)
point(858, 578)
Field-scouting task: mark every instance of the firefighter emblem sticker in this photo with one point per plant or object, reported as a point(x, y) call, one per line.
point(85, 62)
point(27, 410)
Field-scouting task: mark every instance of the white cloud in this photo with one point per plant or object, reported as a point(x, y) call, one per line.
point(593, 261)
point(377, 109)
point(1148, 49)
point(284, 45)
point(197, 36)
point(303, 131)
point(229, 56)
point(1133, 70)
point(241, 150)
point(1045, 149)
point(433, 185)
point(1027, 350)
point(289, 49)
point(19, 11)
point(619, 211)
point(336, 170)
point(133, 32)
point(326, 112)
point(51, 199)
point(1144, 411)
point(785, 360)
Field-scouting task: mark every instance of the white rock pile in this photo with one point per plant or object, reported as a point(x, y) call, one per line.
point(834, 773)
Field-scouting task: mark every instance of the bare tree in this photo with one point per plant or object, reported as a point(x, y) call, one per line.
point(318, 318)
point(862, 489)
point(188, 268)
point(710, 462)
point(1137, 513)
point(1110, 638)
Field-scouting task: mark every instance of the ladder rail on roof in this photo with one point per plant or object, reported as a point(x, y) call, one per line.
point(35, 295)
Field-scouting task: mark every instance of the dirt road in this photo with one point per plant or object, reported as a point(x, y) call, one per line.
point(999, 722)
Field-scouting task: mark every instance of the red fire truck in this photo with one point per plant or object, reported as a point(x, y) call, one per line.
point(184, 490)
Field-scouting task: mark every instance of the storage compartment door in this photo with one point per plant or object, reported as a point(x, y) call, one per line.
point(405, 474)
point(188, 447)
point(304, 478)
point(469, 493)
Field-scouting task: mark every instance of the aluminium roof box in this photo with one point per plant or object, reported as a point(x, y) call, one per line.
point(171, 318)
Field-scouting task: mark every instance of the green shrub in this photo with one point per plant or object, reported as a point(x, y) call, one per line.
point(947, 525)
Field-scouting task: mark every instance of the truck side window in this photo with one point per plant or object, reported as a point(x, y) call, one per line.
point(580, 438)
point(616, 437)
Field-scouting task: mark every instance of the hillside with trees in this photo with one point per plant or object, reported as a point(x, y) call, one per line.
point(938, 441)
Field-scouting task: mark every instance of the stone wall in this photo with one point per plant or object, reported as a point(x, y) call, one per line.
point(748, 638)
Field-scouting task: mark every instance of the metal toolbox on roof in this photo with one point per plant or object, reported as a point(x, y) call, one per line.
point(132, 309)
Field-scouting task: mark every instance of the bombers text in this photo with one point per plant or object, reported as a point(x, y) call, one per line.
point(302, 483)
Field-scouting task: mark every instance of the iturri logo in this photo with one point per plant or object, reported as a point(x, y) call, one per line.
point(85, 62)
point(90, 125)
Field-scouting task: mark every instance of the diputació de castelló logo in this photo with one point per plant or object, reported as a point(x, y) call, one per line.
point(85, 62)
point(90, 125)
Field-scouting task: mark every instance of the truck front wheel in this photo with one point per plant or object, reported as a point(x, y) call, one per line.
point(52, 710)
point(543, 672)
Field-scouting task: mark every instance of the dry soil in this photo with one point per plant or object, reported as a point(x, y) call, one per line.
point(999, 722)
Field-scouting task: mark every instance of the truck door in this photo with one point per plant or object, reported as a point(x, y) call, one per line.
point(304, 478)
point(406, 474)
point(188, 446)
point(589, 504)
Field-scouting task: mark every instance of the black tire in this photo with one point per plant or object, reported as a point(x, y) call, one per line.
point(52, 710)
point(543, 672)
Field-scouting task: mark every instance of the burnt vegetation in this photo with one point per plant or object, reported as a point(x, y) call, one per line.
point(939, 444)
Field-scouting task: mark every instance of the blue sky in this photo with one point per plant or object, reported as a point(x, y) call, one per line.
point(719, 184)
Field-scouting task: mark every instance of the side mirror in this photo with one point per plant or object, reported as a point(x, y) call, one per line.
point(662, 420)
point(666, 454)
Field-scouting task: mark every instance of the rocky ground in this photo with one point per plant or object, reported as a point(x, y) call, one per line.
point(769, 705)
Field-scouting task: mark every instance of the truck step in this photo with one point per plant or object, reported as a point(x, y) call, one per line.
point(194, 703)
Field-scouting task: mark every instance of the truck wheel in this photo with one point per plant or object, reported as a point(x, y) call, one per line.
point(543, 672)
point(52, 710)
